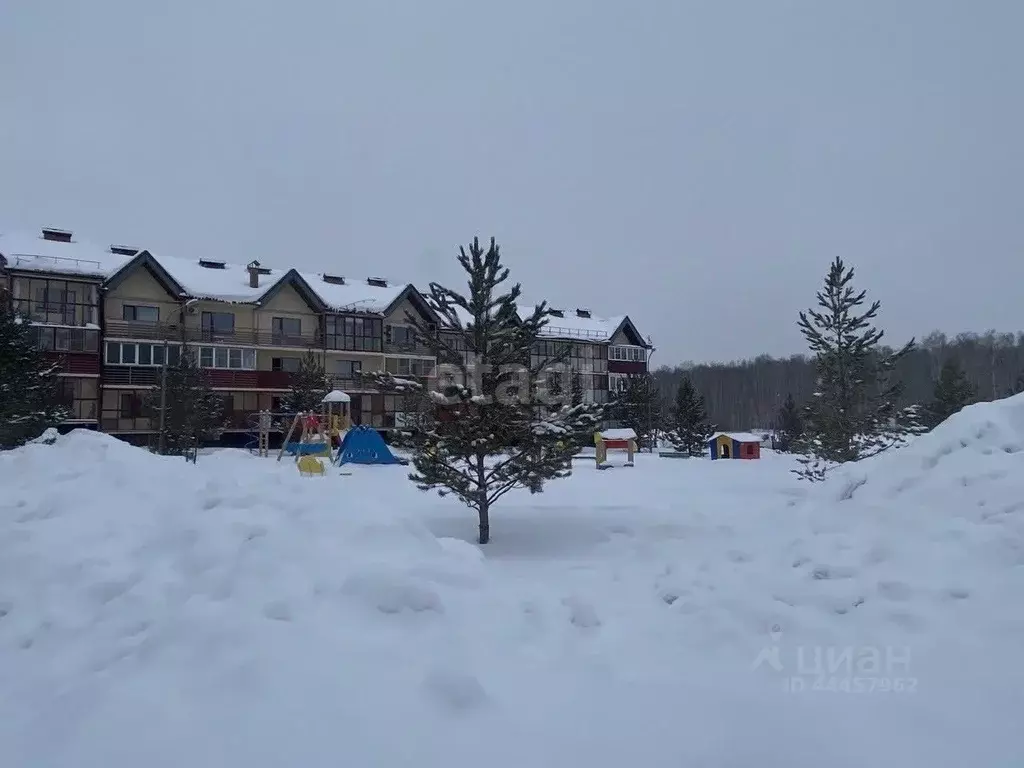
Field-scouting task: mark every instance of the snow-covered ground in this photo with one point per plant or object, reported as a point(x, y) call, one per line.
point(155, 613)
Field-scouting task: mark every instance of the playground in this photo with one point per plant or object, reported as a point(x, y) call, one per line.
point(317, 440)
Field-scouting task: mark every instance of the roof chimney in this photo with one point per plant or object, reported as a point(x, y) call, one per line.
point(56, 235)
point(254, 274)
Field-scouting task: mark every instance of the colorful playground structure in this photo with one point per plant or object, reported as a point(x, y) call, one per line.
point(615, 439)
point(314, 436)
point(735, 445)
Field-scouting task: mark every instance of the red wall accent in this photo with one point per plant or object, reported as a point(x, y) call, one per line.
point(76, 362)
point(227, 379)
point(273, 379)
point(622, 366)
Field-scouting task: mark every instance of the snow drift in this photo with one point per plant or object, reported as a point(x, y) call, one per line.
point(232, 613)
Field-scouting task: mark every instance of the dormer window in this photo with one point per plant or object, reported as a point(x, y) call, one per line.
point(212, 264)
point(334, 279)
point(377, 282)
point(56, 235)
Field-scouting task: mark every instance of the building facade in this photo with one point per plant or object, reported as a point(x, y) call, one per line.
point(111, 317)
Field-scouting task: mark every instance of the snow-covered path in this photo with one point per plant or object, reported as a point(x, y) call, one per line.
point(231, 613)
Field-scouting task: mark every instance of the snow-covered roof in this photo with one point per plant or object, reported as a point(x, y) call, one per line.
point(356, 295)
point(740, 437)
point(231, 283)
point(336, 396)
point(228, 284)
point(31, 252)
point(574, 324)
point(623, 433)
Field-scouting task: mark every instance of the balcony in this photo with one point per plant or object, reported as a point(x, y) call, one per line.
point(407, 348)
point(80, 363)
point(242, 337)
point(149, 376)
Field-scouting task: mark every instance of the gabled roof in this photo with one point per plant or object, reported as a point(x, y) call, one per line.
point(293, 278)
point(739, 437)
point(417, 300)
point(627, 327)
point(146, 260)
point(585, 327)
point(32, 253)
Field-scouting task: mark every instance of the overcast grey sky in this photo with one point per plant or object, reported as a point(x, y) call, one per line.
point(693, 164)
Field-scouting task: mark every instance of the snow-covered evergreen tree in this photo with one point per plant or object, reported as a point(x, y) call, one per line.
point(638, 407)
point(789, 425)
point(29, 385)
point(852, 412)
point(952, 392)
point(193, 413)
point(490, 433)
point(577, 393)
point(308, 386)
point(688, 429)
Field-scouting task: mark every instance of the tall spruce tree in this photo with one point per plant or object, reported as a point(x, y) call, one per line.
point(789, 425)
point(308, 385)
point(30, 388)
point(193, 412)
point(952, 392)
point(639, 407)
point(491, 432)
point(688, 426)
point(852, 412)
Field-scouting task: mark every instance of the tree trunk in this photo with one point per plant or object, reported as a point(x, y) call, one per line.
point(485, 524)
point(484, 506)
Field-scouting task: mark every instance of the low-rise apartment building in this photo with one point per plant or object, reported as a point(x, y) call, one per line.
point(56, 282)
point(112, 317)
point(602, 351)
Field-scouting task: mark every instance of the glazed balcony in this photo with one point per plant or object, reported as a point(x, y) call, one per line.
point(243, 337)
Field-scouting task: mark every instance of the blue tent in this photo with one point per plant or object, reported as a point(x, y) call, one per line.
point(364, 445)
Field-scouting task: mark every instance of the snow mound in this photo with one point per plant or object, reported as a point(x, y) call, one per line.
point(975, 457)
point(233, 613)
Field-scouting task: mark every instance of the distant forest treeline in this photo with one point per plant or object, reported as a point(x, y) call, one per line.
point(747, 394)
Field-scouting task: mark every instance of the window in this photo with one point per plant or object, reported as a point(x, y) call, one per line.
point(348, 369)
point(79, 396)
point(401, 334)
point(628, 354)
point(130, 406)
point(218, 323)
point(227, 357)
point(133, 353)
point(140, 313)
point(286, 327)
point(405, 366)
point(618, 383)
point(289, 364)
point(355, 333)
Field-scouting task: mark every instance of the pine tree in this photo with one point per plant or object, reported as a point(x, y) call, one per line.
point(193, 412)
point(952, 392)
point(490, 432)
point(789, 425)
point(851, 414)
point(308, 386)
point(688, 427)
point(29, 385)
point(639, 407)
